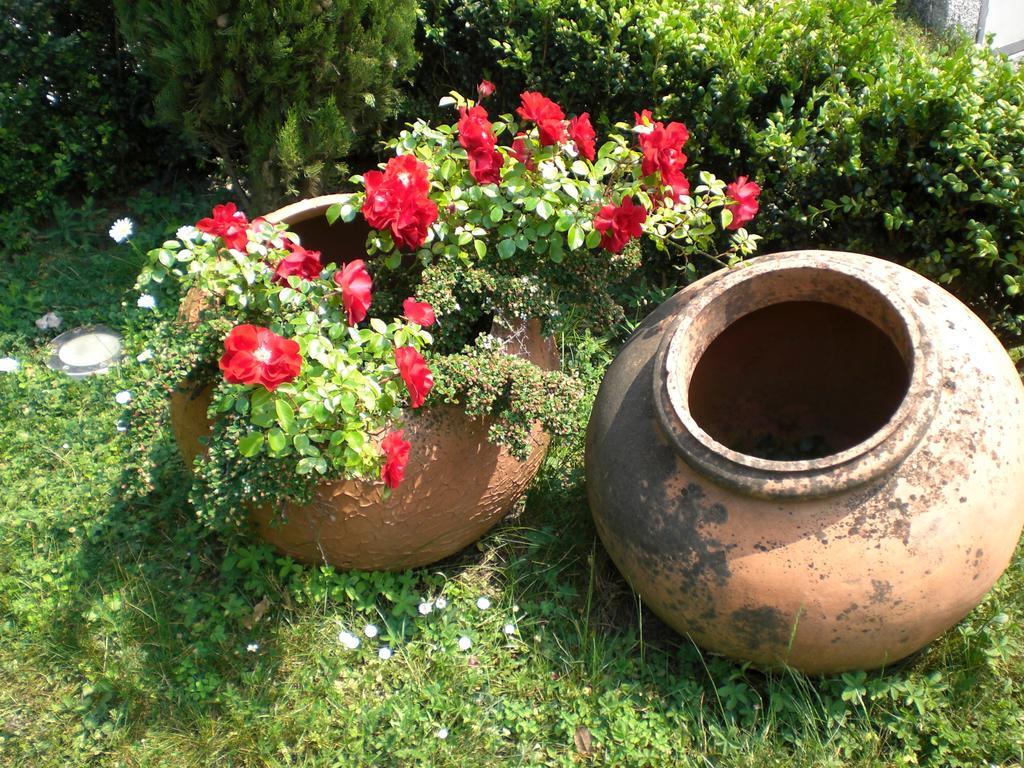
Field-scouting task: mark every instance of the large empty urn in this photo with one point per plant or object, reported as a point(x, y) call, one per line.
point(815, 459)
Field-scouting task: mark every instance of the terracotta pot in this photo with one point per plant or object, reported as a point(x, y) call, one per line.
point(816, 459)
point(457, 485)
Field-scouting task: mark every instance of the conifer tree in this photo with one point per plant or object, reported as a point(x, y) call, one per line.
point(278, 91)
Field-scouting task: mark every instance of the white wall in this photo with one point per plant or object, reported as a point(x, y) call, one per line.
point(1005, 20)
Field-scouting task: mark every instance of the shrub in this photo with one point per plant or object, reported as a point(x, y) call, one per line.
point(73, 112)
point(863, 136)
point(278, 92)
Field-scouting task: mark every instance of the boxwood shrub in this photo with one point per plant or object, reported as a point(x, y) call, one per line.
point(865, 134)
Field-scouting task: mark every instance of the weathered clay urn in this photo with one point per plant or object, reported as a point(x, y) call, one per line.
point(457, 485)
point(815, 459)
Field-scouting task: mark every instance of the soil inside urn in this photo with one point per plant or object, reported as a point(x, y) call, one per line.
point(797, 380)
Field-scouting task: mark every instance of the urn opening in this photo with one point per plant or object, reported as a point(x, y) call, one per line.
point(799, 375)
point(797, 380)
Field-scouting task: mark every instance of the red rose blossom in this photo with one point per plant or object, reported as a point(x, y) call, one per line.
point(485, 166)
point(397, 200)
point(396, 454)
point(618, 224)
point(536, 107)
point(229, 224)
point(552, 132)
point(485, 89)
point(475, 130)
point(305, 264)
point(415, 373)
point(419, 312)
point(254, 355)
point(355, 284)
point(745, 194)
point(521, 153)
point(582, 133)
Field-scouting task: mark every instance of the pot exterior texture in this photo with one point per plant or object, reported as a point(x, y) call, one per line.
point(457, 485)
point(850, 558)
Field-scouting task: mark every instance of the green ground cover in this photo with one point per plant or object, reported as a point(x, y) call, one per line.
point(131, 634)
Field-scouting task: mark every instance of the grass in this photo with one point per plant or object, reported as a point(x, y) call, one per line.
point(126, 624)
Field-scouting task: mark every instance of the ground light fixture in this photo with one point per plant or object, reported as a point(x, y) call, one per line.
point(86, 351)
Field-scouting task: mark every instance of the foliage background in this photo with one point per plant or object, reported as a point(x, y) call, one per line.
point(864, 135)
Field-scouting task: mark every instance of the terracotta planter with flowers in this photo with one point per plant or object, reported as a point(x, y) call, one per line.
point(325, 421)
point(456, 484)
point(816, 460)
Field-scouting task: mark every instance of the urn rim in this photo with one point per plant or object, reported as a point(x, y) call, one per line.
point(850, 281)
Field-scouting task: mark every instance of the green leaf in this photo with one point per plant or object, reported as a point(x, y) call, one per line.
point(593, 238)
point(575, 237)
point(495, 214)
point(506, 248)
point(480, 247)
point(251, 444)
point(563, 223)
point(544, 209)
point(276, 440)
point(285, 416)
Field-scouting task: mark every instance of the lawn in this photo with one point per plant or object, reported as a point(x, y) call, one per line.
point(133, 634)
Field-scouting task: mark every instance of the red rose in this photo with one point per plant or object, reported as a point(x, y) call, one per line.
point(397, 200)
point(229, 224)
point(677, 182)
point(536, 107)
point(618, 224)
point(485, 166)
point(415, 215)
point(415, 373)
point(521, 153)
point(485, 89)
point(475, 130)
point(355, 284)
point(552, 132)
point(642, 118)
point(396, 453)
point(410, 174)
point(419, 312)
point(254, 355)
point(305, 264)
point(663, 148)
point(745, 194)
point(582, 132)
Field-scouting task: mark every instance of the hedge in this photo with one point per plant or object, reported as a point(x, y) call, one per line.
point(864, 134)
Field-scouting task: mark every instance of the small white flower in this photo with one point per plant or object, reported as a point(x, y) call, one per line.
point(349, 640)
point(384, 653)
point(441, 603)
point(144, 355)
point(8, 365)
point(483, 603)
point(146, 302)
point(442, 733)
point(252, 647)
point(121, 230)
point(465, 643)
point(187, 234)
point(370, 630)
point(509, 629)
point(425, 608)
point(51, 320)
point(123, 397)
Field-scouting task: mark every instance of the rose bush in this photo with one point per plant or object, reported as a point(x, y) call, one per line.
point(476, 228)
point(304, 376)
